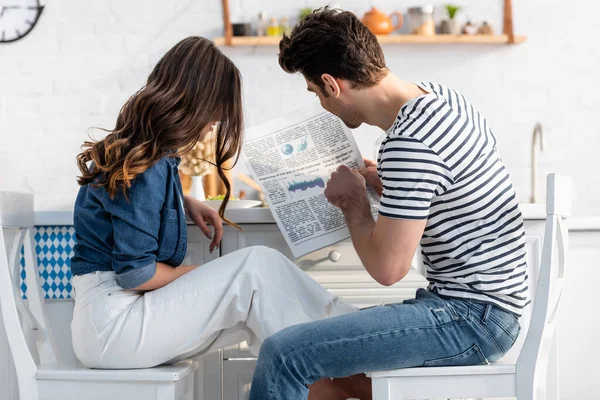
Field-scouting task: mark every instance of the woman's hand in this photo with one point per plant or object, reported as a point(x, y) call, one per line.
point(201, 214)
point(369, 172)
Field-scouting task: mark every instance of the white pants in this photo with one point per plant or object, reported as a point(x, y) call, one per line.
point(246, 295)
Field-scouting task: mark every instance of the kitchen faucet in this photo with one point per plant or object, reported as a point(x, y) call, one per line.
point(537, 131)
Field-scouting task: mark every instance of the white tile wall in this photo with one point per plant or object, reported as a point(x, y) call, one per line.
point(86, 57)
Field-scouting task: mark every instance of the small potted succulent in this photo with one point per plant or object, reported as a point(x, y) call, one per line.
point(452, 25)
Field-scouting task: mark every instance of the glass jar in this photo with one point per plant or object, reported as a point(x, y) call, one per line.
point(262, 23)
point(420, 20)
point(274, 29)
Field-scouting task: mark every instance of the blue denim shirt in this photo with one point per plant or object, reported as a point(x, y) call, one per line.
point(130, 236)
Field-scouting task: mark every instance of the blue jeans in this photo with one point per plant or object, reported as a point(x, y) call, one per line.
point(426, 331)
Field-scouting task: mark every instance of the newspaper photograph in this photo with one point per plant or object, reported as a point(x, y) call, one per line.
point(292, 158)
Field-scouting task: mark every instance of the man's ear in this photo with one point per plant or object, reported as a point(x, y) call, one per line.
point(332, 86)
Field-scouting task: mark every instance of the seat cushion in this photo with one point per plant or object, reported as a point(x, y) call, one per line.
point(165, 373)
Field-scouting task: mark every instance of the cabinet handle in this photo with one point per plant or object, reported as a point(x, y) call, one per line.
point(334, 256)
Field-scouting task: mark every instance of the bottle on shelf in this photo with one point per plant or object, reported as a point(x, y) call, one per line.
point(261, 27)
point(273, 29)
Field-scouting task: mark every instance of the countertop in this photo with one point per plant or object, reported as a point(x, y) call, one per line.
point(264, 216)
point(240, 216)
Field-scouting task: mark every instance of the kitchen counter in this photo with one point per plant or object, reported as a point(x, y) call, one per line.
point(264, 216)
point(239, 216)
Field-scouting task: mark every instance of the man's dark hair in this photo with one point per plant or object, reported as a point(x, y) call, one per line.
point(334, 42)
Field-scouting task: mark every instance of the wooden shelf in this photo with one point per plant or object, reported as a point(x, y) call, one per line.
point(389, 39)
point(508, 36)
point(449, 39)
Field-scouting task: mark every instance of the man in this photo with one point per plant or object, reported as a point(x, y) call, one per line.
point(443, 185)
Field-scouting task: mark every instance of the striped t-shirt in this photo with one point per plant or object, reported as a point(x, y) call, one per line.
point(439, 162)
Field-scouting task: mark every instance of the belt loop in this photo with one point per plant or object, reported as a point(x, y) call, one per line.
point(486, 313)
point(469, 307)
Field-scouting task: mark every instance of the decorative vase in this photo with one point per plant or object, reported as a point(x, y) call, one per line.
point(445, 27)
point(486, 29)
point(469, 29)
point(454, 26)
point(186, 182)
point(197, 190)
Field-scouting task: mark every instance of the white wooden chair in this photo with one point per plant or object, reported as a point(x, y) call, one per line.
point(40, 372)
point(523, 377)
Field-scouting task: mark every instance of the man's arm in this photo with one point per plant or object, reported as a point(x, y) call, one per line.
point(386, 247)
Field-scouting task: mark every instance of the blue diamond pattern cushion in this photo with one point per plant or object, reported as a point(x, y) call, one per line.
point(54, 248)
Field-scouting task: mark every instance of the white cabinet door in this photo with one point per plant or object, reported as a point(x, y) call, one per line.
point(254, 235)
point(237, 351)
point(209, 376)
point(237, 378)
point(336, 267)
point(197, 248)
point(207, 382)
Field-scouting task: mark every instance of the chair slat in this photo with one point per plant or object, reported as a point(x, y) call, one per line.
point(14, 264)
point(47, 348)
point(28, 321)
point(562, 237)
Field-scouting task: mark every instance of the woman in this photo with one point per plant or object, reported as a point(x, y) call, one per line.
point(135, 305)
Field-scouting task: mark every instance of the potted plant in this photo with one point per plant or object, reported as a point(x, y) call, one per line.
point(451, 25)
point(304, 12)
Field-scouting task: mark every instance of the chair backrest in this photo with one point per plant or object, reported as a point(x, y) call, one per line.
point(26, 322)
point(533, 358)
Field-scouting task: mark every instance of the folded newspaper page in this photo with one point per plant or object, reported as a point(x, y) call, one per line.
point(292, 158)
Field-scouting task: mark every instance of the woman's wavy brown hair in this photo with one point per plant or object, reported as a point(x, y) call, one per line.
point(193, 86)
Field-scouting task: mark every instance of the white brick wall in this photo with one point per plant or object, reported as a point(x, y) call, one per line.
point(86, 57)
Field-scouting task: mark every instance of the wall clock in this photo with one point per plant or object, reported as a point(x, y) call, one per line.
point(17, 18)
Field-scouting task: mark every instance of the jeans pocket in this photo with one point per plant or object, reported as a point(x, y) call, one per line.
point(472, 356)
point(504, 328)
point(85, 338)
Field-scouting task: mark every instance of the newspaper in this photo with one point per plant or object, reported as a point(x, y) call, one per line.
point(292, 158)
